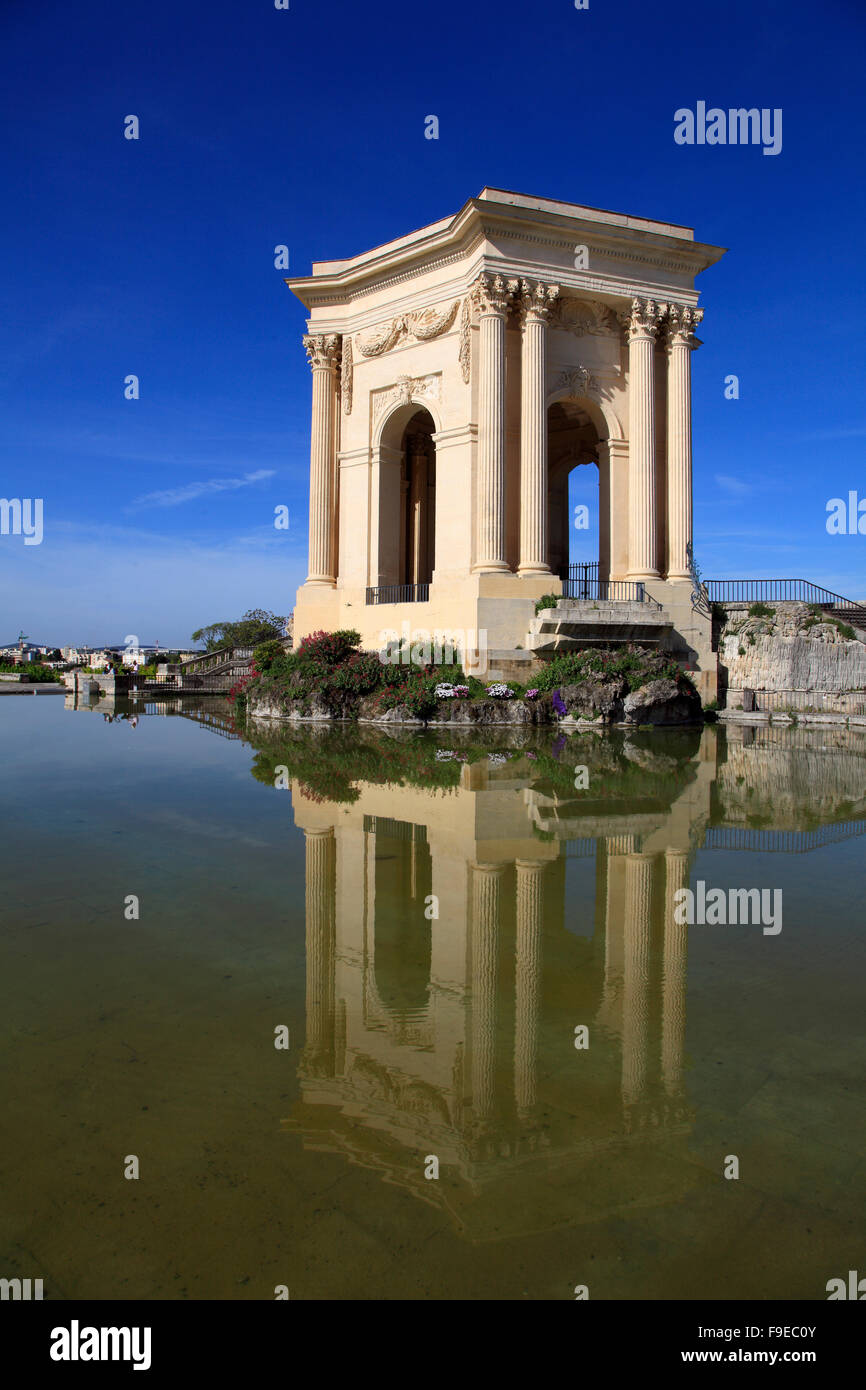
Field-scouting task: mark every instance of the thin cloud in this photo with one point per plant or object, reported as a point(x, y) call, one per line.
point(734, 486)
point(175, 496)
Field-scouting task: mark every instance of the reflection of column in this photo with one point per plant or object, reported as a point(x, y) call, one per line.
point(321, 898)
point(635, 1021)
point(643, 327)
point(674, 974)
point(537, 303)
point(681, 340)
point(492, 295)
point(527, 1000)
point(486, 883)
point(323, 351)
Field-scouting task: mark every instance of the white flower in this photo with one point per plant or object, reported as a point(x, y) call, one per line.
point(500, 691)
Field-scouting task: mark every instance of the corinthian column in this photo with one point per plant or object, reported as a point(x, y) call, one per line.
point(527, 992)
point(681, 340)
point(486, 881)
point(492, 295)
point(537, 303)
point(323, 351)
point(642, 329)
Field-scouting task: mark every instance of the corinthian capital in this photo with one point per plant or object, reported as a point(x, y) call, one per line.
point(682, 320)
point(492, 294)
point(323, 350)
point(538, 299)
point(644, 319)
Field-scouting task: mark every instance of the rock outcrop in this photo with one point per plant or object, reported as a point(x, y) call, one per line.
point(791, 648)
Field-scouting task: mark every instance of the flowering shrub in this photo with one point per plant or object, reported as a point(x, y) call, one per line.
point(329, 648)
point(500, 691)
point(446, 691)
point(559, 704)
point(531, 694)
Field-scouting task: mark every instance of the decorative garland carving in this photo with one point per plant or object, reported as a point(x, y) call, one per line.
point(422, 324)
point(580, 317)
point(465, 354)
point(347, 376)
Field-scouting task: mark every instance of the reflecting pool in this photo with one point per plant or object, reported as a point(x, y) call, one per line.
point(398, 1015)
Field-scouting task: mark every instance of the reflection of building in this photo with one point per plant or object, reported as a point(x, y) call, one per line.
point(453, 1034)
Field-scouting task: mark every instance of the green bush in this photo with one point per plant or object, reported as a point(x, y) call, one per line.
point(635, 666)
point(761, 610)
point(547, 601)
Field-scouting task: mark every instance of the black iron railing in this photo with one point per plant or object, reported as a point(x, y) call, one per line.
point(780, 591)
point(581, 581)
point(399, 593)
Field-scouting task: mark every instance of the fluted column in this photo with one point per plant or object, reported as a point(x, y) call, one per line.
point(537, 303)
point(321, 898)
point(527, 987)
point(674, 974)
point(492, 296)
point(682, 321)
point(635, 992)
point(486, 885)
point(323, 350)
point(642, 329)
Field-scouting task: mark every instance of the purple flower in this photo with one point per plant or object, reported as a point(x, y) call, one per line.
point(558, 746)
point(559, 704)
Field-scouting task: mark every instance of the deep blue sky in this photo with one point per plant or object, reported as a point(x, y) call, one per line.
point(305, 127)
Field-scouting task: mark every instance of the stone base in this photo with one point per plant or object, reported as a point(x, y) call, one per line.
point(493, 614)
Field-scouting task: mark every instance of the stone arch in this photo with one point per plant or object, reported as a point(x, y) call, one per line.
point(404, 497)
point(389, 429)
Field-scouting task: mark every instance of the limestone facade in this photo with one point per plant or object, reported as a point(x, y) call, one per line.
point(459, 374)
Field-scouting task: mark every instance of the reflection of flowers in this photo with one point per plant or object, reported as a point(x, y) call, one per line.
point(532, 755)
point(495, 759)
point(558, 746)
point(559, 704)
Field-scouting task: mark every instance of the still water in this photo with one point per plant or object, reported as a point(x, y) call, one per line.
point(437, 921)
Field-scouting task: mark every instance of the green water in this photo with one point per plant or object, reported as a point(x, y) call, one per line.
point(431, 919)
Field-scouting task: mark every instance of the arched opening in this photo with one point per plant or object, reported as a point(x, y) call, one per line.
point(407, 500)
point(577, 534)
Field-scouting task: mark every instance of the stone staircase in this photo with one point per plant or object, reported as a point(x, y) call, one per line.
point(576, 623)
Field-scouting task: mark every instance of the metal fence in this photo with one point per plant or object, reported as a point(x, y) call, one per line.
point(740, 838)
point(399, 593)
point(781, 591)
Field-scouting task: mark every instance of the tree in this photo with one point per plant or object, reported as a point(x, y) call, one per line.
point(254, 627)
